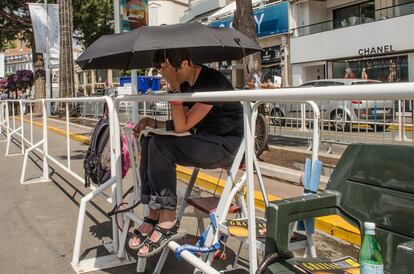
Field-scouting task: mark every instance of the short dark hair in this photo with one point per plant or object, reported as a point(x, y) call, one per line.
point(175, 56)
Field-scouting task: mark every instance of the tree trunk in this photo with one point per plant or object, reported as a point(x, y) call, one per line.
point(244, 22)
point(66, 69)
point(39, 76)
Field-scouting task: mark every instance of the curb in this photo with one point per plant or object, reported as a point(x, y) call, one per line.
point(333, 225)
point(74, 136)
point(287, 174)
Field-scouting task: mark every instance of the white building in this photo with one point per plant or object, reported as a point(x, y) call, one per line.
point(17, 58)
point(159, 12)
point(272, 30)
point(343, 38)
point(199, 9)
point(166, 12)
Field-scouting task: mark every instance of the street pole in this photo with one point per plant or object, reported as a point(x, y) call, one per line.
point(134, 80)
point(134, 91)
point(116, 17)
point(47, 71)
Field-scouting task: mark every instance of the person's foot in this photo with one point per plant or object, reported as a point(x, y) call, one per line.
point(142, 233)
point(162, 234)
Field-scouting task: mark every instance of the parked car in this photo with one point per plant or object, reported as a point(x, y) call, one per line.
point(159, 107)
point(339, 114)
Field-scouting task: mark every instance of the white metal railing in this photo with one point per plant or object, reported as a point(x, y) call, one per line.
point(345, 122)
point(8, 122)
point(342, 122)
point(94, 110)
point(372, 92)
point(401, 91)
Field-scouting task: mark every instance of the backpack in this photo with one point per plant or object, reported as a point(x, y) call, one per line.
point(97, 162)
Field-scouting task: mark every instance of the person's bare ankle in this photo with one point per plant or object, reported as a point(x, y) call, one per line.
point(167, 224)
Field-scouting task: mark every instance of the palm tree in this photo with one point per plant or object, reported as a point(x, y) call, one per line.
point(244, 22)
point(66, 70)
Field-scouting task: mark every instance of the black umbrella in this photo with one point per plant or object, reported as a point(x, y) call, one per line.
point(134, 49)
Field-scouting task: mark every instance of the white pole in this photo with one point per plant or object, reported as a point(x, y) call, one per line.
point(48, 93)
point(251, 220)
point(134, 83)
point(401, 131)
point(45, 144)
point(303, 117)
point(31, 124)
point(21, 125)
point(68, 136)
point(117, 17)
point(316, 131)
point(134, 91)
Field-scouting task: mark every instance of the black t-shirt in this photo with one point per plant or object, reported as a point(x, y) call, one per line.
point(225, 118)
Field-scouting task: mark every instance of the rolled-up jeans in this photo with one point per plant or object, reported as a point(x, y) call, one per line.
point(160, 154)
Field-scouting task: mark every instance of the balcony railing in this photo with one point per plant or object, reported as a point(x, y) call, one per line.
point(379, 14)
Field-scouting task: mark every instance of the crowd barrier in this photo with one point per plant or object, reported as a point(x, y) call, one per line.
point(402, 91)
point(346, 122)
point(342, 122)
point(94, 110)
point(14, 128)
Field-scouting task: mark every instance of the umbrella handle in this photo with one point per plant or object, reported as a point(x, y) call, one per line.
point(237, 40)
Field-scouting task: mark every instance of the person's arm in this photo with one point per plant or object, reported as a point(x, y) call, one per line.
point(184, 121)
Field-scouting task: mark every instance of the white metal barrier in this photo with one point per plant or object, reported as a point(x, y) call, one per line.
point(402, 91)
point(230, 188)
point(8, 122)
point(342, 122)
point(156, 109)
point(346, 122)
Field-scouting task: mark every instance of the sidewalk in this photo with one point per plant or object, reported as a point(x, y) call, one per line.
point(39, 220)
point(280, 182)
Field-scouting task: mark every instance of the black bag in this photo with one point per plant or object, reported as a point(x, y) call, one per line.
point(95, 172)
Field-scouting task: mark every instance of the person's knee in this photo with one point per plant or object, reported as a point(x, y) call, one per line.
point(160, 145)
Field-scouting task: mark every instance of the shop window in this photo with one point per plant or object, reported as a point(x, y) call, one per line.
point(226, 69)
point(116, 75)
point(404, 7)
point(354, 14)
point(101, 75)
point(88, 77)
point(80, 78)
point(392, 69)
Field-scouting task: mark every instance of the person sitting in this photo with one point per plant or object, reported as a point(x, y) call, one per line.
point(268, 84)
point(217, 130)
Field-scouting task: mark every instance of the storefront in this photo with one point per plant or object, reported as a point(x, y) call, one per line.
point(271, 23)
point(380, 50)
point(384, 69)
point(271, 63)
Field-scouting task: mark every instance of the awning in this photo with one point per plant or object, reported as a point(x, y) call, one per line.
point(228, 10)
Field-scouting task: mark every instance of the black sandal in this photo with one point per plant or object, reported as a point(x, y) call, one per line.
point(141, 236)
point(166, 235)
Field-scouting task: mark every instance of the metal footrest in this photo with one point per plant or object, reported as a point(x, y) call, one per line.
point(209, 204)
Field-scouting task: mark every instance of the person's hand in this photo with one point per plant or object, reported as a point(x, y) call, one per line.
point(142, 124)
point(170, 74)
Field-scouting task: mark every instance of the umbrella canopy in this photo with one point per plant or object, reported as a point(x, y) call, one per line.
point(134, 49)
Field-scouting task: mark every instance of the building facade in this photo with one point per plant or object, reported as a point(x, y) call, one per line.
point(272, 29)
point(352, 39)
point(90, 82)
point(17, 58)
point(199, 10)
